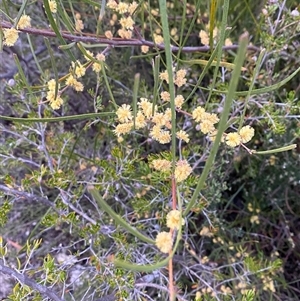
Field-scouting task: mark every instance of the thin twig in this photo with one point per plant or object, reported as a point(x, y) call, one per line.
point(29, 196)
point(119, 42)
point(23, 279)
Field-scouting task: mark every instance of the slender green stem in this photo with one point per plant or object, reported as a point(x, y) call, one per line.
point(276, 150)
point(167, 44)
point(57, 119)
point(117, 218)
point(255, 73)
point(220, 44)
point(223, 121)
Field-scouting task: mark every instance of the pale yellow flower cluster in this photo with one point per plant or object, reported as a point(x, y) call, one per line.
point(55, 102)
point(147, 113)
point(174, 220)
point(71, 81)
point(144, 48)
point(53, 6)
point(24, 22)
point(124, 115)
point(206, 232)
point(204, 37)
point(254, 219)
point(206, 120)
point(77, 70)
point(158, 39)
point(162, 165)
point(179, 78)
point(78, 23)
point(164, 241)
point(245, 134)
point(11, 36)
point(226, 290)
point(97, 66)
point(207, 290)
point(179, 99)
point(182, 135)
point(126, 21)
point(182, 170)
point(268, 284)
point(207, 123)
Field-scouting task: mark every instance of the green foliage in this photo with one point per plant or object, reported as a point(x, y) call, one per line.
point(81, 205)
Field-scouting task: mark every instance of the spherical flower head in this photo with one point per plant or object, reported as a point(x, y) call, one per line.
point(122, 7)
point(53, 6)
point(174, 220)
point(162, 136)
point(204, 37)
point(78, 86)
point(125, 34)
point(123, 128)
point(165, 96)
point(179, 82)
point(206, 232)
point(144, 48)
point(164, 242)
point(90, 54)
point(254, 219)
point(228, 42)
point(96, 67)
point(79, 25)
point(124, 114)
point(127, 23)
point(233, 139)
point(182, 170)
point(108, 34)
point(159, 119)
point(180, 79)
point(112, 4)
point(206, 127)
point(213, 118)
point(158, 39)
point(72, 82)
point(50, 95)
point(179, 100)
point(140, 120)
point(164, 76)
point(100, 57)
point(181, 73)
point(51, 84)
point(168, 114)
point(132, 7)
point(79, 70)
point(24, 22)
point(56, 103)
point(146, 106)
point(198, 114)
point(10, 36)
point(162, 165)
point(246, 133)
point(173, 31)
point(183, 136)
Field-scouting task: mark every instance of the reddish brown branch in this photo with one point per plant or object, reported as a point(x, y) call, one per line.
point(117, 42)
